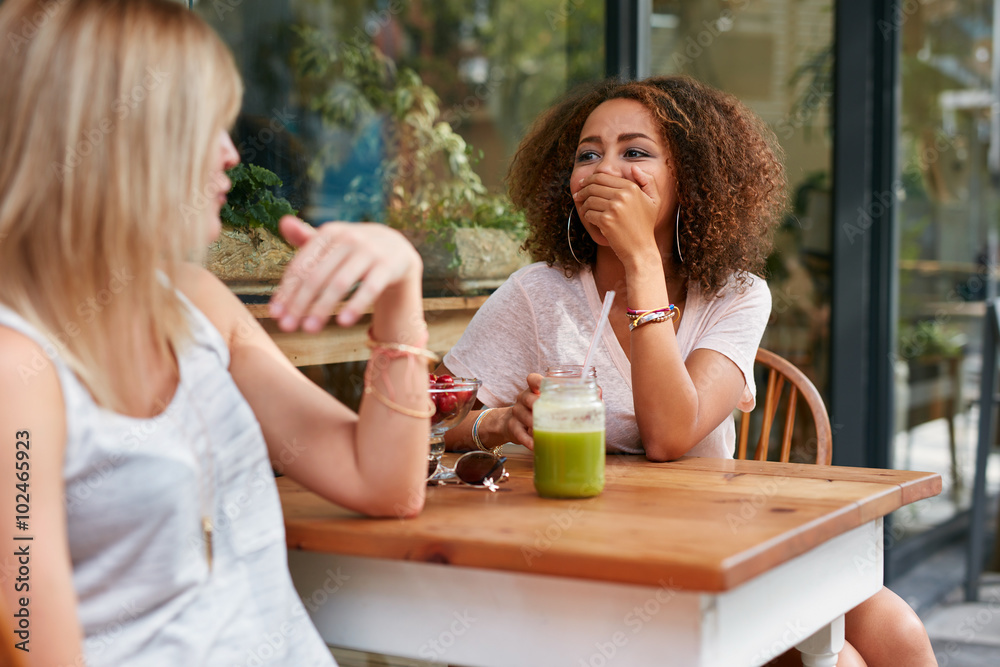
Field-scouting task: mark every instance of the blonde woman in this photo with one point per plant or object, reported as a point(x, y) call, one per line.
point(141, 407)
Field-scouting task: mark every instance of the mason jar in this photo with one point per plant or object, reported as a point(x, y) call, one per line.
point(568, 433)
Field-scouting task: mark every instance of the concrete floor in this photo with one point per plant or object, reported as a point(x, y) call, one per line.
point(967, 634)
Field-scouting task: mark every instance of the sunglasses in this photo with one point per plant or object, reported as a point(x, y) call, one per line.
point(481, 469)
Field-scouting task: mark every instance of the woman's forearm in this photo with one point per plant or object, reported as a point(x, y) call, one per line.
point(665, 398)
point(398, 432)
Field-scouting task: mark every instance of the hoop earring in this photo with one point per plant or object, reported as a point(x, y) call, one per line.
point(677, 235)
point(569, 238)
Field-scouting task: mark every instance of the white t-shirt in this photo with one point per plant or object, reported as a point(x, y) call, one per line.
point(541, 318)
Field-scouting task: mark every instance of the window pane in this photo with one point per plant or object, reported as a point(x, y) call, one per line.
point(777, 58)
point(947, 216)
point(397, 111)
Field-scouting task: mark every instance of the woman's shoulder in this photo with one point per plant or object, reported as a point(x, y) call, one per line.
point(208, 294)
point(745, 289)
point(29, 381)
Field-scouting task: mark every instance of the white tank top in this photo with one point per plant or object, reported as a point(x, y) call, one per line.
point(134, 514)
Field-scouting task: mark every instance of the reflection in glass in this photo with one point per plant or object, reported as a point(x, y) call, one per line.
point(946, 248)
point(328, 84)
point(777, 58)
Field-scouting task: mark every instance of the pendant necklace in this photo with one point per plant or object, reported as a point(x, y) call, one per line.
point(206, 511)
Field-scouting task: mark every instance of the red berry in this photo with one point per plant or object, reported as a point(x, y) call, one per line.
point(447, 403)
point(445, 379)
point(433, 378)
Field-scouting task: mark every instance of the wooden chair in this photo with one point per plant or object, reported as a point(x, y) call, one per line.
point(780, 372)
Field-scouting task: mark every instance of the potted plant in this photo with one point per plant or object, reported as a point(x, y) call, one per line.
point(250, 255)
point(425, 184)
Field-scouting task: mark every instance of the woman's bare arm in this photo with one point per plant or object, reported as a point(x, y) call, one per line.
point(374, 462)
point(35, 569)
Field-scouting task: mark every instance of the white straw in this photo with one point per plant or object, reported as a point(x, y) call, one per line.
point(609, 297)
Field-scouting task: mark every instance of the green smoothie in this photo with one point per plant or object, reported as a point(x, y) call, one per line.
point(569, 464)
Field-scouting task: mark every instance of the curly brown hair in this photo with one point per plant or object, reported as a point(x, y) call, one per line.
point(728, 165)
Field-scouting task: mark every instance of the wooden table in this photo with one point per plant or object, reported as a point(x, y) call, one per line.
point(699, 562)
point(446, 318)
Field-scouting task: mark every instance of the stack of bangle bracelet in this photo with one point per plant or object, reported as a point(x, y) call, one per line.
point(496, 451)
point(393, 350)
point(637, 318)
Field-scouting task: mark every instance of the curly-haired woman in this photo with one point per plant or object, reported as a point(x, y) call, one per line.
point(666, 191)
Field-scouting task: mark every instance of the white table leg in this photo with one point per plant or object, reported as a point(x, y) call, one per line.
point(823, 647)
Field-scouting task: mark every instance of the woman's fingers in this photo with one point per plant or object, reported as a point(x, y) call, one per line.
point(333, 287)
point(374, 283)
point(310, 274)
point(522, 415)
point(333, 260)
point(318, 286)
point(644, 181)
point(598, 190)
point(295, 231)
point(520, 435)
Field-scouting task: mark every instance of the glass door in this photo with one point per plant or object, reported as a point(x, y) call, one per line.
point(946, 204)
point(777, 57)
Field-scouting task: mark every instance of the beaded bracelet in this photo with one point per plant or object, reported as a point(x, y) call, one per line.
point(634, 315)
point(659, 315)
point(496, 451)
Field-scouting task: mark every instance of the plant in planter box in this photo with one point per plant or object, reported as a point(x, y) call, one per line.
point(250, 254)
point(425, 184)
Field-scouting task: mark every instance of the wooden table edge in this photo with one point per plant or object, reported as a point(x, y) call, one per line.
point(710, 577)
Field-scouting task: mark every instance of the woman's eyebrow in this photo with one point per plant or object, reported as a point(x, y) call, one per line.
point(622, 138)
point(632, 135)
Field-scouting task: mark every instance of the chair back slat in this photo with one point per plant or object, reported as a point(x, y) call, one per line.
point(786, 441)
point(741, 445)
point(774, 384)
point(781, 370)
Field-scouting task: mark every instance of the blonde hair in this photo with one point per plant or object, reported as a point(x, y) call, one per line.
point(111, 111)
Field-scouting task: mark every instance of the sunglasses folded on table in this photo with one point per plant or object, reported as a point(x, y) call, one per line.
point(481, 469)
